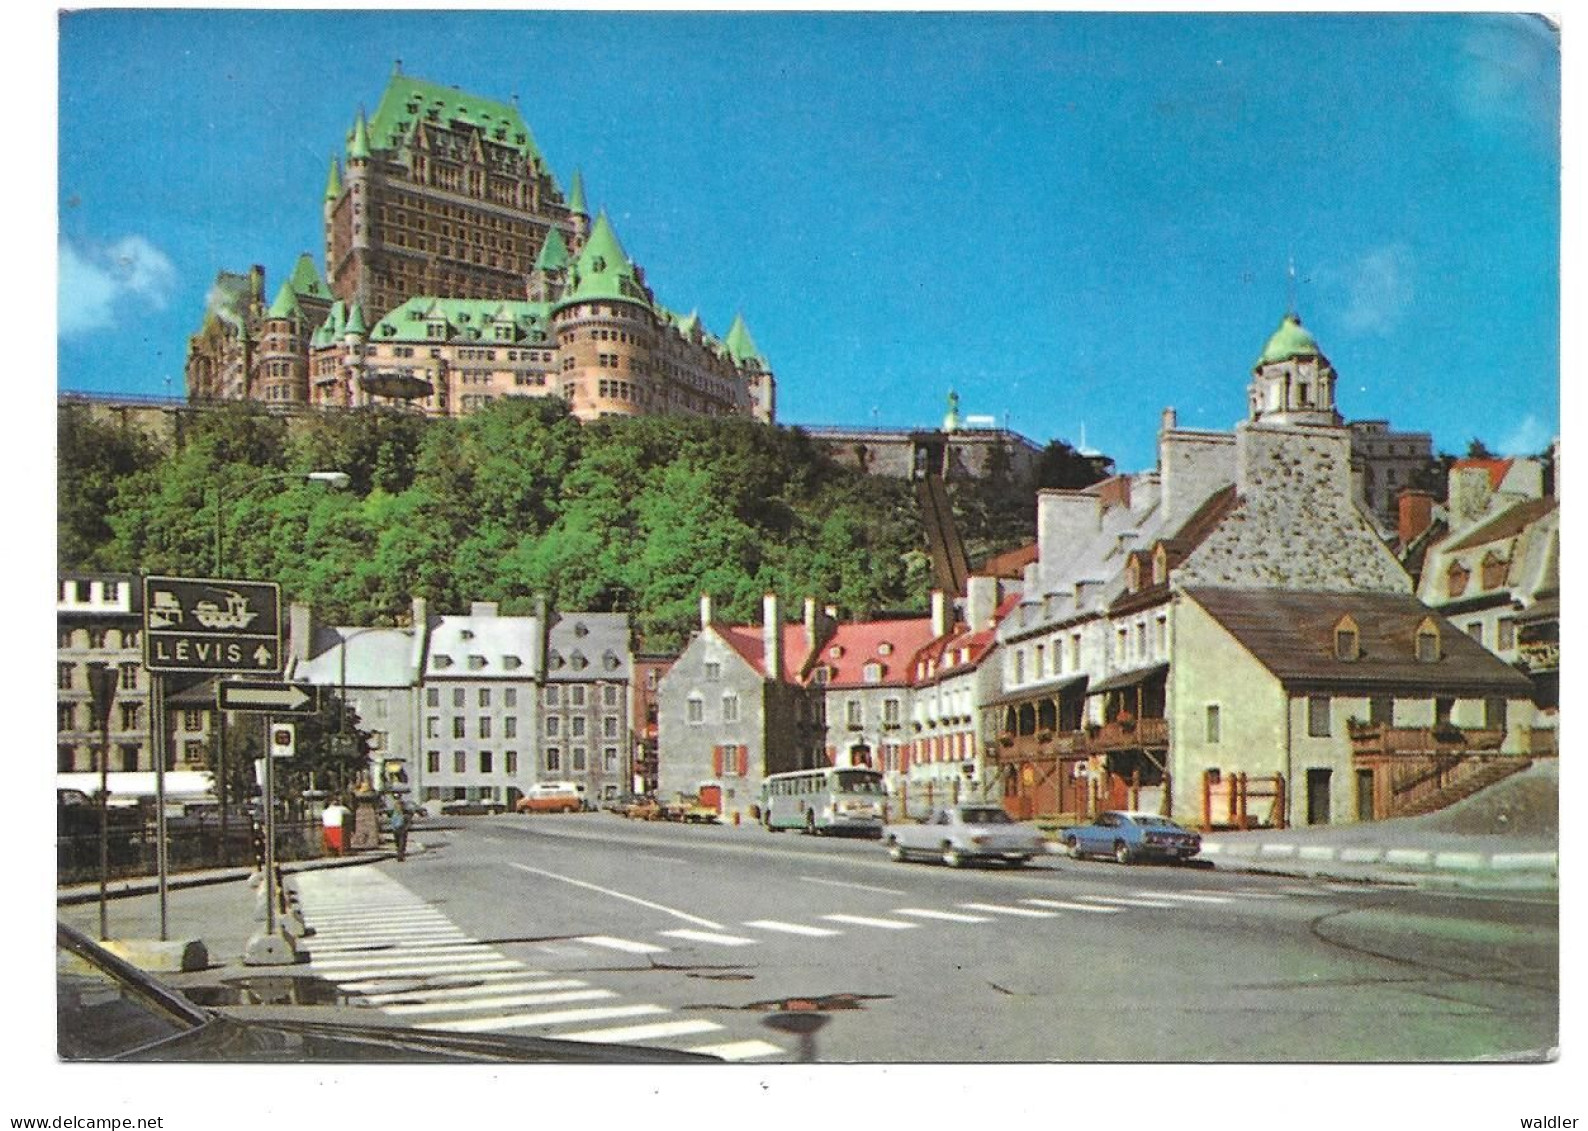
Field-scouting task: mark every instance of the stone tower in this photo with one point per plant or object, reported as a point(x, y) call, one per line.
point(1292, 382)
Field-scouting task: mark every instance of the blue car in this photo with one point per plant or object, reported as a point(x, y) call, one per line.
point(1129, 836)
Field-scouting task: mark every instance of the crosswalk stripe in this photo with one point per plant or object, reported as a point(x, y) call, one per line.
point(418, 981)
point(553, 1017)
point(709, 937)
point(506, 1001)
point(739, 1050)
point(460, 993)
point(792, 928)
point(1188, 897)
point(357, 972)
point(1235, 893)
point(654, 1032)
point(946, 916)
point(1065, 905)
point(323, 945)
point(626, 945)
point(1126, 901)
point(397, 957)
point(866, 921)
point(999, 909)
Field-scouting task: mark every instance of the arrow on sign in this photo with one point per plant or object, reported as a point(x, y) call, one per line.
point(289, 697)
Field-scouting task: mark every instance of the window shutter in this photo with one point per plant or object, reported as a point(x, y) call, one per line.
point(716, 761)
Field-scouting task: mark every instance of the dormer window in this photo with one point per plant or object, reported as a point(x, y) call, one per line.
point(476, 663)
point(884, 649)
point(1456, 578)
point(1160, 564)
point(836, 652)
point(1494, 570)
point(1133, 574)
point(1347, 640)
point(1428, 647)
point(821, 675)
point(871, 673)
point(441, 661)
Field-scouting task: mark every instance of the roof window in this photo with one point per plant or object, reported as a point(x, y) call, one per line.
point(1347, 640)
point(1428, 643)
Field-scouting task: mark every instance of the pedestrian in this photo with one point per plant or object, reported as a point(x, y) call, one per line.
point(335, 819)
point(399, 827)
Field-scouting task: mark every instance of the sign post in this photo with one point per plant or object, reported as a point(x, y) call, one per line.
point(221, 626)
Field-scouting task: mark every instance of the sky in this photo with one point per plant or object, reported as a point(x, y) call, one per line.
point(1074, 221)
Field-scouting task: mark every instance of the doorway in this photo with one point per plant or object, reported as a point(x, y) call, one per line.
point(1318, 783)
point(1364, 795)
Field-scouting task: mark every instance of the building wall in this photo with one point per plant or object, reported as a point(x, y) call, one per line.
point(449, 702)
point(97, 621)
point(890, 452)
point(1297, 526)
point(1209, 667)
point(707, 670)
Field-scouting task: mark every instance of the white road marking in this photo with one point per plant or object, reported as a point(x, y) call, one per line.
point(505, 1001)
point(417, 954)
point(866, 921)
point(792, 928)
point(455, 993)
point(739, 1050)
point(946, 916)
point(319, 945)
point(1127, 901)
point(1189, 897)
point(552, 1017)
point(466, 966)
point(626, 945)
point(709, 937)
point(420, 981)
point(622, 895)
point(643, 1032)
point(847, 884)
point(1064, 905)
point(999, 909)
point(1236, 893)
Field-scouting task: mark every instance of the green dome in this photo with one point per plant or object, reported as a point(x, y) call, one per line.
point(1289, 341)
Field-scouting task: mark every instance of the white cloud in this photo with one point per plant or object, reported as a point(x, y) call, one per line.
point(1530, 436)
point(96, 282)
point(1377, 290)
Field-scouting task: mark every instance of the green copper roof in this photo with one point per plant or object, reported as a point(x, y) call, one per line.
point(331, 328)
point(1289, 341)
point(741, 347)
point(465, 320)
point(286, 304)
point(355, 321)
point(333, 183)
point(553, 253)
point(576, 197)
point(306, 279)
point(358, 146)
point(408, 101)
point(603, 270)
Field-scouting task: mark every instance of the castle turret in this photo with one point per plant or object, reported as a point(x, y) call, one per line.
point(1293, 382)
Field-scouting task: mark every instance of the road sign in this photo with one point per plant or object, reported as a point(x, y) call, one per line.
point(283, 740)
point(202, 624)
point(267, 696)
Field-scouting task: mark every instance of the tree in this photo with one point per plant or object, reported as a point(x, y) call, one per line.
point(92, 459)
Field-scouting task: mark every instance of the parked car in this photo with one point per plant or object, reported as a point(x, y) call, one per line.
point(959, 834)
point(106, 1009)
point(464, 808)
point(552, 797)
point(1128, 836)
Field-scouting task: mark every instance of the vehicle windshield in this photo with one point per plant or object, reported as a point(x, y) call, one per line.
point(859, 781)
point(986, 816)
point(99, 1016)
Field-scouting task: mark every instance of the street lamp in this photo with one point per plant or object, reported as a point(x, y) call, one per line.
point(335, 479)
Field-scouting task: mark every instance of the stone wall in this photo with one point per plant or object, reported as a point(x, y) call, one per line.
point(1296, 525)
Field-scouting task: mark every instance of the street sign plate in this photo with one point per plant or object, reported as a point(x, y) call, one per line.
point(204, 624)
point(267, 696)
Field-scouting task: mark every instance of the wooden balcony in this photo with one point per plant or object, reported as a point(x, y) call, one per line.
point(1378, 740)
point(1152, 734)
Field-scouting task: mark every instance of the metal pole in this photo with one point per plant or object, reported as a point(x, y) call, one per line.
point(162, 864)
point(221, 792)
point(104, 822)
point(270, 836)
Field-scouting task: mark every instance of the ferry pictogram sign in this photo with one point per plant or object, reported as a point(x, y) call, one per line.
point(205, 624)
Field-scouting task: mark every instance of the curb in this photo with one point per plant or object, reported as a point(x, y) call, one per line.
point(1390, 865)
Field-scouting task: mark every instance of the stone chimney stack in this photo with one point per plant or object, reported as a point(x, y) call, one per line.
point(981, 601)
point(772, 636)
point(483, 609)
point(705, 611)
point(1416, 514)
point(1171, 421)
point(940, 624)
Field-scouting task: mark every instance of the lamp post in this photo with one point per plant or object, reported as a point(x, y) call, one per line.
point(335, 479)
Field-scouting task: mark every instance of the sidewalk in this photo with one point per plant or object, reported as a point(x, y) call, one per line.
point(1505, 838)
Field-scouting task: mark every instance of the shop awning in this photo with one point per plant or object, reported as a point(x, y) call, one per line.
point(1037, 691)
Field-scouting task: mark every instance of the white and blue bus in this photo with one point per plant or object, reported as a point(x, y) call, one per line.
point(829, 800)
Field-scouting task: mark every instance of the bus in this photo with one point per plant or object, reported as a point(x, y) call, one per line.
point(820, 801)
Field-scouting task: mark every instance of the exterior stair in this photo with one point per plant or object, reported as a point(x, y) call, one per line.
point(1490, 772)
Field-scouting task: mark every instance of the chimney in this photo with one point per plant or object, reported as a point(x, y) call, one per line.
point(482, 609)
point(300, 631)
point(939, 614)
point(421, 641)
point(1171, 420)
point(772, 637)
point(981, 601)
point(705, 611)
point(1416, 514)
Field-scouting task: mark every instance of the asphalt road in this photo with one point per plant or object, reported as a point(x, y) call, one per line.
point(781, 947)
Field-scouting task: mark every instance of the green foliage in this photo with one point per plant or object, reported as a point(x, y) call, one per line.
point(633, 515)
point(93, 458)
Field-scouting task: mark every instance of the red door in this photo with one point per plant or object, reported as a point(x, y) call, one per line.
point(711, 797)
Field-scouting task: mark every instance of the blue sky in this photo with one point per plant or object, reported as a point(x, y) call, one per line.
point(1072, 220)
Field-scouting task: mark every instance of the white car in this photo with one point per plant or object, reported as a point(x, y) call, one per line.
point(959, 834)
